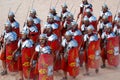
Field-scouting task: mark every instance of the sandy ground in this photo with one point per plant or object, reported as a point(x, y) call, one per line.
point(42, 7)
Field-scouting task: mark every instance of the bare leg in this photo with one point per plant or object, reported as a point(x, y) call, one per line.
point(4, 72)
point(87, 70)
point(4, 65)
point(103, 58)
point(103, 66)
point(97, 70)
point(73, 78)
point(21, 75)
point(65, 76)
point(36, 78)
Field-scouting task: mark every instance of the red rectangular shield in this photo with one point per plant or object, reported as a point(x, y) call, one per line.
point(113, 51)
point(45, 67)
point(94, 54)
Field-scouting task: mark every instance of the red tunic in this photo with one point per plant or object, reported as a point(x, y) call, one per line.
point(58, 33)
point(55, 46)
point(79, 39)
point(34, 36)
point(17, 31)
point(94, 23)
point(2, 55)
point(38, 27)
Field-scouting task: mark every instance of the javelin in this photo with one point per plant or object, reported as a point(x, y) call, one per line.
point(50, 4)
point(18, 7)
point(32, 4)
point(72, 7)
point(56, 3)
point(26, 15)
point(105, 1)
point(117, 7)
point(9, 12)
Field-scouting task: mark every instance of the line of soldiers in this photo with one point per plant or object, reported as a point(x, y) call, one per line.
point(62, 45)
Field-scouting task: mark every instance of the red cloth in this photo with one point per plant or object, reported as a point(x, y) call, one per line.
point(79, 39)
point(34, 36)
point(38, 27)
point(110, 19)
point(58, 33)
point(55, 46)
point(17, 31)
point(2, 55)
point(94, 23)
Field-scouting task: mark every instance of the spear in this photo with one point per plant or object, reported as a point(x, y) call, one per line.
point(50, 4)
point(9, 12)
point(56, 3)
point(18, 7)
point(26, 16)
point(65, 1)
point(32, 4)
point(117, 8)
point(105, 1)
point(71, 7)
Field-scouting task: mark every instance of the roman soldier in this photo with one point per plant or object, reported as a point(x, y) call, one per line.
point(91, 57)
point(107, 45)
point(14, 23)
point(92, 18)
point(103, 23)
point(85, 5)
point(36, 20)
point(9, 43)
point(26, 49)
point(45, 59)
point(32, 29)
point(76, 32)
point(54, 13)
point(116, 24)
point(64, 12)
point(85, 24)
point(77, 35)
point(67, 23)
point(54, 43)
point(69, 54)
point(107, 12)
point(55, 27)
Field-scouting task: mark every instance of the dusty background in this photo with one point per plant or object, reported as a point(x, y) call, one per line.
point(42, 7)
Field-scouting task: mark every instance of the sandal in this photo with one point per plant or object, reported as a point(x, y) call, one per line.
point(21, 79)
point(3, 73)
point(103, 66)
point(97, 70)
point(86, 74)
point(64, 78)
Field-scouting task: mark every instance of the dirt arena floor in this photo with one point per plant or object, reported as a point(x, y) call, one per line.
point(42, 7)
